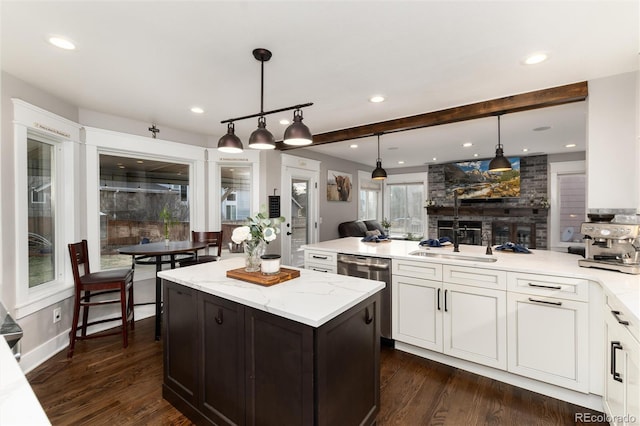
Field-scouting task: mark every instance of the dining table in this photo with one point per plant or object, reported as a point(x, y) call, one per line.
point(164, 253)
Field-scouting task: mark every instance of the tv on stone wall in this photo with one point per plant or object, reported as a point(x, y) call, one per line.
point(473, 180)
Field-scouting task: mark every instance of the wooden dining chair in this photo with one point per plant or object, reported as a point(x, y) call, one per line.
point(97, 285)
point(213, 239)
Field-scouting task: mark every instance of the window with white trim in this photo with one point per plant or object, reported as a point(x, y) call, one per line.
point(404, 196)
point(369, 197)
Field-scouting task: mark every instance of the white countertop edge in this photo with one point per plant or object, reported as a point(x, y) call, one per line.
point(18, 404)
point(256, 296)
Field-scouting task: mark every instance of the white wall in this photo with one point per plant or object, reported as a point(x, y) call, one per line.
point(613, 169)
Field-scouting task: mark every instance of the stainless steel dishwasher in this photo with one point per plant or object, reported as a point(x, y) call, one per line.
point(372, 268)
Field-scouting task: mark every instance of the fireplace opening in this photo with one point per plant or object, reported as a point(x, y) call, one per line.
point(470, 231)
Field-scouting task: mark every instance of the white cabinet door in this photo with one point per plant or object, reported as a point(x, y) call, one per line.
point(475, 326)
point(622, 387)
point(548, 340)
point(417, 312)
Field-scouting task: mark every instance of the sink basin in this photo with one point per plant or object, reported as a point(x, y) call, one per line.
point(434, 255)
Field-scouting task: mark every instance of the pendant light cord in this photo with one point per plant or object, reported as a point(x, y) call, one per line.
point(379, 159)
point(261, 87)
point(499, 144)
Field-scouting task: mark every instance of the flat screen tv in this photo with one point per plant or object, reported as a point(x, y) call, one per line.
point(474, 181)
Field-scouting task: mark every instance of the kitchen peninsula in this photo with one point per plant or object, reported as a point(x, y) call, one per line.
point(305, 351)
point(537, 321)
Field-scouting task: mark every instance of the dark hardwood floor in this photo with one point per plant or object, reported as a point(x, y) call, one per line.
point(106, 385)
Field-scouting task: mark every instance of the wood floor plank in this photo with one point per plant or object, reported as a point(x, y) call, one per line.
point(105, 384)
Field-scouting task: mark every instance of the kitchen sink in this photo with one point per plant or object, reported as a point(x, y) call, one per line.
point(423, 253)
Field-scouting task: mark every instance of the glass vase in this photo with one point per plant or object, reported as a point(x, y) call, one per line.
point(253, 249)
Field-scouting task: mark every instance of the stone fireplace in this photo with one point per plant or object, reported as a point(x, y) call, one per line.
point(521, 220)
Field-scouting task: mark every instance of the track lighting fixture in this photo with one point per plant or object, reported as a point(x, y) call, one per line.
point(261, 138)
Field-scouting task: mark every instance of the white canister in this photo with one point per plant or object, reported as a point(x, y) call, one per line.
point(270, 264)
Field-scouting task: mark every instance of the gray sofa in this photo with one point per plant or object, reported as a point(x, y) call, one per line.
point(359, 228)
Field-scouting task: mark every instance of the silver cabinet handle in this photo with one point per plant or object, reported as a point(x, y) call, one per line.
point(550, 287)
point(546, 302)
point(319, 270)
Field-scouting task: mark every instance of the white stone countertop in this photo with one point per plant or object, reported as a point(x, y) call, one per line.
point(623, 287)
point(18, 403)
point(312, 299)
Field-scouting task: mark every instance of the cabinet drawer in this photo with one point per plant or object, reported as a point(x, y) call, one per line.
point(321, 267)
point(549, 286)
point(327, 258)
point(477, 277)
point(621, 315)
point(417, 269)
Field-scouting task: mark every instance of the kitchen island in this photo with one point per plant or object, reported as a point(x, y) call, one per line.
point(305, 351)
point(538, 321)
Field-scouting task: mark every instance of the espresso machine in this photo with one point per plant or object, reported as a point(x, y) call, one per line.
point(613, 246)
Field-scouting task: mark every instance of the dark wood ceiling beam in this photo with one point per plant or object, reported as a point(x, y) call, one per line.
point(522, 102)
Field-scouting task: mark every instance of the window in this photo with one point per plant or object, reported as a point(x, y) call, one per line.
point(41, 214)
point(369, 197)
point(133, 191)
point(46, 170)
point(235, 198)
point(404, 204)
point(567, 203)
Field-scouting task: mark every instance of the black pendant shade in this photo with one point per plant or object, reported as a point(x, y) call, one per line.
point(230, 143)
point(297, 133)
point(379, 173)
point(500, 163)
point(261, 138)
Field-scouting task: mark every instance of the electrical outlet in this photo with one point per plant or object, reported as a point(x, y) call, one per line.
point(57, 314)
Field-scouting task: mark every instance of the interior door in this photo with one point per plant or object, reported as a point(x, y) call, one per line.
point(299, 207)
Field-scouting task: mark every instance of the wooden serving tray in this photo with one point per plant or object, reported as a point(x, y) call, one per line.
point(259, 278)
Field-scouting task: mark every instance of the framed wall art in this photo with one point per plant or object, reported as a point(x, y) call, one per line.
point(339, 186)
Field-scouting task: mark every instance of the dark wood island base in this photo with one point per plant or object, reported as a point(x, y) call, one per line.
point(229, 364)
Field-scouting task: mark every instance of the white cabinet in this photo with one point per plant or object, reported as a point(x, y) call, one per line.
point(548, 340)
point(323, 261)
point(622, 382)
point(548, 329)
point(465, 321)
point(417, 312)
point(475, 324)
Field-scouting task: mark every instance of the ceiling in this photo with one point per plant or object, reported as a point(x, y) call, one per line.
point(152, 61)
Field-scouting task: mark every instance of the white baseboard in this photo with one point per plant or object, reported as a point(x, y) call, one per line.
point(43, 352)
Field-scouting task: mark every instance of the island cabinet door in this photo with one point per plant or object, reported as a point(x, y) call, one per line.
point(222, 364)
point(279, 370)
point(180, 343)
point(348, 366)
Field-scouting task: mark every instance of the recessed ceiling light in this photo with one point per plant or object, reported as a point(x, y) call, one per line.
point(467, 144)
point(376, 99)
point(541, 128)
point(475, 155)
point(434, 159)
point(400, 162)
point(535, 58)
point(62, 43)
point(197, 110)
point(284, 122)
point(525, 149)
point(353, 145)
point(570, 145)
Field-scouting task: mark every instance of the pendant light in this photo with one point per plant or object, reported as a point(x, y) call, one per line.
point(230, 143)
point(297, 134)
point(379, 173)
point(500, 163)
point(261, 138)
